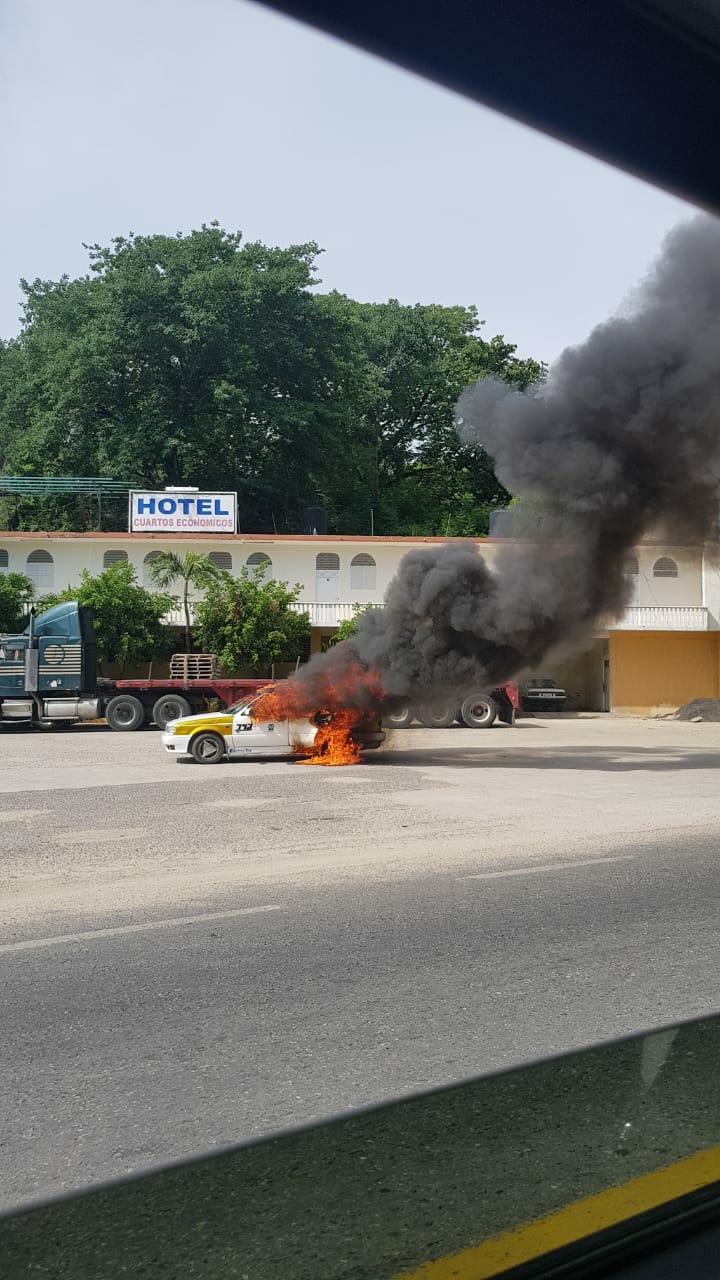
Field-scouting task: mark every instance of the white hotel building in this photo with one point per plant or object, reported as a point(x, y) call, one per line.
point(662, 652)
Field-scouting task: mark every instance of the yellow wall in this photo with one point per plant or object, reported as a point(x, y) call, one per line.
point(661, 670)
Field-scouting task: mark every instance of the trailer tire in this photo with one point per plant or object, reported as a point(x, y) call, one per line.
point(401, 717)
point(124, 713)
point(171, 706)
point(207, 748)
point(479, 711)
point(438, 714)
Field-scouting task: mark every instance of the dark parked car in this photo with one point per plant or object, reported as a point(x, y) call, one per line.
point(539, 694)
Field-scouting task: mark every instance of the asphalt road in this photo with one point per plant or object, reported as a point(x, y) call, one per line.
point(193, 956)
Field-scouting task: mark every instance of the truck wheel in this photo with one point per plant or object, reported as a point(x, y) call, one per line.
point(170, 707)
point(207, 748)
point(478, 711)
point(125, 713)
point(437, 714)
point(401, 717)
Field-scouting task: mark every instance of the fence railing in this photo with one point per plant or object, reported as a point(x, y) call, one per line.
point(637, 618)
point(325, 615)
point(664, 618)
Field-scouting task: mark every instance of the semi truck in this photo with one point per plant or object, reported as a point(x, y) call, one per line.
point(49, 678)
point(475, 708)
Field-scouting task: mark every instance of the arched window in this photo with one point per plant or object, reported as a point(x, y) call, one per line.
point(114, 557)
point(221, 559)
point(327, 560)
point(4, 560)
point(362, 572)
point(665, 568)
point(259, 560)
point(39, 569)
point(631, 566)
point(151, 557)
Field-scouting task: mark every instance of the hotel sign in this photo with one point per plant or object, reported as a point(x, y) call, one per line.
point(182, 511)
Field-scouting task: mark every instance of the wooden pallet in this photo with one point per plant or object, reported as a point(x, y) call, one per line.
point(194, 666)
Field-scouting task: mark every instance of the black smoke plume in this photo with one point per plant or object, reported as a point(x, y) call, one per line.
point(623, 436)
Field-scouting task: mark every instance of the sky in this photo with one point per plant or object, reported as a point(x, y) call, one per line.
point(158, 115)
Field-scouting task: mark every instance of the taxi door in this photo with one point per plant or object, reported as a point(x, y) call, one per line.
point(253, 738)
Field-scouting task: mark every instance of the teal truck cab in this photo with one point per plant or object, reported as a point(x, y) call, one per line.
point(49, 673)
point(48, 677)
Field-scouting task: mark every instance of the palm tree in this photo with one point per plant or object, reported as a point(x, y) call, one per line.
point(194, 569)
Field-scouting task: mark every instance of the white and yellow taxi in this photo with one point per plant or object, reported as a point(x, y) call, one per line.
point(214, 736)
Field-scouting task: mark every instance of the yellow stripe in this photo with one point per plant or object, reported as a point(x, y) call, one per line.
point(202, 724)
point(575, 1221)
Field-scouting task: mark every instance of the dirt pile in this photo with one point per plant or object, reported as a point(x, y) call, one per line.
point(699, 709)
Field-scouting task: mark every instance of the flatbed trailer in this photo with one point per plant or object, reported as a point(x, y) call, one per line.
point(130, 704)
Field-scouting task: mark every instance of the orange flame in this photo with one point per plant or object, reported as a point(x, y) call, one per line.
point(334, 743)
point(336, 710)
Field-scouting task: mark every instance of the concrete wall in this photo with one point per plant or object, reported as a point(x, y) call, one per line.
point(686, 589)
point(658, 671)
point(293, 558)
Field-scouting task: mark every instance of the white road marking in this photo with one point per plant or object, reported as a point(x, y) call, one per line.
point(547, 866)
point(61, 939)
point(240, 802)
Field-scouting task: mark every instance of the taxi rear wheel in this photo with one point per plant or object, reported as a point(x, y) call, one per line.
point(207, 748)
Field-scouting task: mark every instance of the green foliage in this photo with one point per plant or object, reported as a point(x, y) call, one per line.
point(248, 622)
point(193, 570)
point(195, 359)
point(128, 619)
point(416, 474)
point(16, 595)
point(349, 626)
point(176, 360)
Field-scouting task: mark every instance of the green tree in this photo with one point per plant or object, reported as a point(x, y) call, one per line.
point(249, 622)
point(188, 359)
point(128, 620)
point(407, 462)
point(197, 359)
point(16, 595)
point(192, 570)
point(349, 626)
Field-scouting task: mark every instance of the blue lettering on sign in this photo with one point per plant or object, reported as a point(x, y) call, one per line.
point(194, 507)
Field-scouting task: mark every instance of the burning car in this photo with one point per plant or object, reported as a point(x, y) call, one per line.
point(325, 737)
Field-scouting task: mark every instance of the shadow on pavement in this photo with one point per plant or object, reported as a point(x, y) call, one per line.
point(624, 761)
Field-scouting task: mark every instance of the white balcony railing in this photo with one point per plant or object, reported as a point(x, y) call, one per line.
point(664, 618)
point(325, 615)
point(176, 617)
point(637, 618)
point(321, 614)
